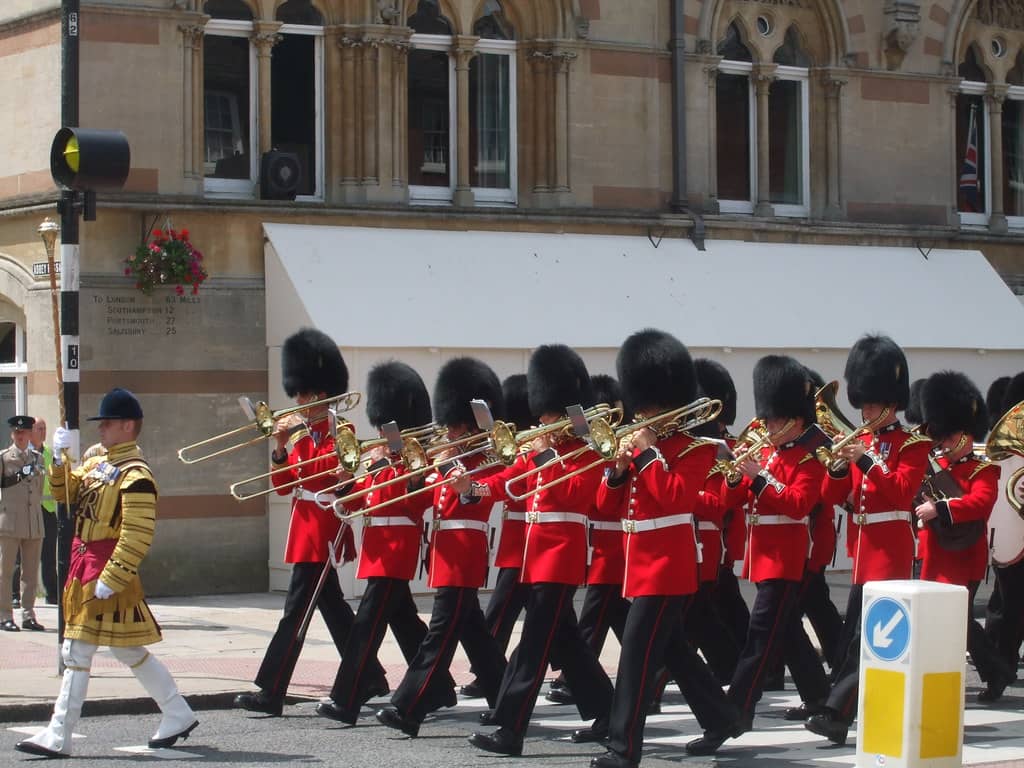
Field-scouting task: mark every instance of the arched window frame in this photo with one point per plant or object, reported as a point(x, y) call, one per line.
point(317, 33)
point(980, 218)
point(801, 76)
point(743, 69)
point(215, 187)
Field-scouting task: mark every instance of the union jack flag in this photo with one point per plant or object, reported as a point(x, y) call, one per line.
point(969, 183)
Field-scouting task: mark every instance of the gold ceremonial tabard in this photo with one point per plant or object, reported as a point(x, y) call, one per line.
point(115, 497)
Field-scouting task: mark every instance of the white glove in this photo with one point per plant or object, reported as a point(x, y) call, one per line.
point(61, 442)
point(102, 590)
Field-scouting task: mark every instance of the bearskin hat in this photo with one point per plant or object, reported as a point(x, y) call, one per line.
point(555, 379)
point(656, 372)
point(817, 381)
point(463, 379)
point(604, 389)
point(311, 362)
point(395, 392)
point(913, 411)
point(517, 402)
point(783, 390)
point(1014, 394)
point(951, 403)
point(877, 372)
point(715, 382)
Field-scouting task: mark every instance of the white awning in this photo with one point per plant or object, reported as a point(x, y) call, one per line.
point(408, 288)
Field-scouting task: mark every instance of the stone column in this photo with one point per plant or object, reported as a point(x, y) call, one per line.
point(348, 84)
point(193, 128)
point(995, 98)
point(370, 60)
point(833, 138)
point(333, 84)
point(763, 77)
point(399, 121)
point(562, 62)
point(464, 53)
point(711, 73)
point(540, 64)
point(264, 38)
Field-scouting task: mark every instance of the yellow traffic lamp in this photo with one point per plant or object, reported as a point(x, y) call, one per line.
point(85, 159)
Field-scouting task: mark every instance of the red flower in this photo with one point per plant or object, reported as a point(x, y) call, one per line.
point(179, 290)
point(158, 233)
point(183, 234)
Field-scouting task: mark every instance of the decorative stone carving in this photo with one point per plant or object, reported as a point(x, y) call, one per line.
point(902, 26)
point(582, 27)
point(705, 47)
point(1001, 13)
point(192, 35)
point(264, 41)
point(388, 12)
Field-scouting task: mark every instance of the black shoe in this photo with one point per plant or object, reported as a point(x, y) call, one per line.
point(260, 702)
point(168, 741)
point(472, 690)
point(503, 741)
point(487, 717)
point(829, 725)
point(32, 625)
point(9, 626)
point(709, 743)
point(596, 732)
point(561, 695)
point(392, 718)
point(31, 748)
point(612, 760)
point(332, 711)
point(993, 691)
point(802, 712)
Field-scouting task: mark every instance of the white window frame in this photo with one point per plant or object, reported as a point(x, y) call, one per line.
point(18, 370)
point(483, 196)
point(974, 88)
point(235, 188)
point(318, 104)
point(745, 69)
point(1015, 93)
point(802, 76)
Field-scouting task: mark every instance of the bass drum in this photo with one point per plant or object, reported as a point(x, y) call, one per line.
point(1006, 523)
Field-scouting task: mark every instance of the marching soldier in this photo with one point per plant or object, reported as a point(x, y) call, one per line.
point(458, 561)
point(878, 476)
point(653, 487)
point(554, 563)
point(781, 490)
point(115, 499)
point(312, 370)
point(954, 544)
point(390, 550)
point(21, 522)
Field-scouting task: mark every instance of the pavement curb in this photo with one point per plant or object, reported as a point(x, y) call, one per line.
point(142, 705)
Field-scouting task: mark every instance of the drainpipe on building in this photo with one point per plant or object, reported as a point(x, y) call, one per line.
point(679, 202)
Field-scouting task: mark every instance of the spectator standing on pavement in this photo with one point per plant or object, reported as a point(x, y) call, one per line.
point(115, 516)
point(21, 522)
point(48, 560)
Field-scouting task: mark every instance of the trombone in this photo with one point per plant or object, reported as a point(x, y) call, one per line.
point(262, 422)
point(605, 440)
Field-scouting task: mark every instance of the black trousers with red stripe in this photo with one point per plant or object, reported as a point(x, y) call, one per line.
point(846, 677)
point(800, 655)
point(507, 601)
point(774, 611)
point(386, 602)
point(551, 633)
point(730, 604)
point(456, 617)
point(604, 608)
point(706, 630)
point(283, 652)
point(824, 617)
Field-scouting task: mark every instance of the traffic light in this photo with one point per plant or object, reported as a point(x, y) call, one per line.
point(85, 160)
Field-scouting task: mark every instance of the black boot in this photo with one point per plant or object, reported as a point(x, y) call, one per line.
point(473, 689)
point(802, 712)
point(260, 702)
point(503, 741)
point(612, 760)
point(829, 724)
point(392, 718)
point(332, 711)
point(712, 739)
point(596, 732)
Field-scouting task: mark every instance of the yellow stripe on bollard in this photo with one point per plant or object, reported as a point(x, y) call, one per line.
point(941, 704)
point(883, 693)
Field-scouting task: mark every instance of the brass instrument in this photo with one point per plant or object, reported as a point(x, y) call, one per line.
point(263, 423)
point(751, 441)
point(837, 427)
point(1005, 440)
point(606, 440)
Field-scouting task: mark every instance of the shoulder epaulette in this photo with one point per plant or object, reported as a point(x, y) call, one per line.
point(697, 442)
point(914, 439)
point(807, 457)
point(983, 463)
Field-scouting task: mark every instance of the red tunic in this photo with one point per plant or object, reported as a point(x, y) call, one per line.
point(980, 482)
point(607, 555)
point(784, 493)
point(884, 480)
point(311, 526)
point(513, 524)
point(663, 485)
point(458, 533)
point(391, 535)
point(710, 513)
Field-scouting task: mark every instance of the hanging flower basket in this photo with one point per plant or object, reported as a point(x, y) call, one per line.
point(170, 258)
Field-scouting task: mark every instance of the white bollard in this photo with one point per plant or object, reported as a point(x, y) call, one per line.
point(913, 644)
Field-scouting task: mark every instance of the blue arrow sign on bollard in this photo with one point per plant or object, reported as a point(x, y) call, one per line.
point(887, 629)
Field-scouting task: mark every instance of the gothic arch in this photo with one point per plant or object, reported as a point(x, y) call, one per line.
point(952, 45)
point(322, 6)
point(448, 10)
point(15, 281)
point(830, 12)
point(965, 31)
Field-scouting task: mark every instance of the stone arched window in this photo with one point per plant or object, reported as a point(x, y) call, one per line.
point(972, 141)
point(734, 125)
point(789, 128)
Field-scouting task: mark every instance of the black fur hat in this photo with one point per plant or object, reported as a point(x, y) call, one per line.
point(463, 379)
point(656, 372)
point(783, 389)
point(877, 372)
point(913, 412)
point(1013, 394)
point(715, 382)
point(395, 392)
point(951, 403)
point(311, 362)
point(817, 382)
point(517, 402)
point(605, 389)
point(555, 379)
